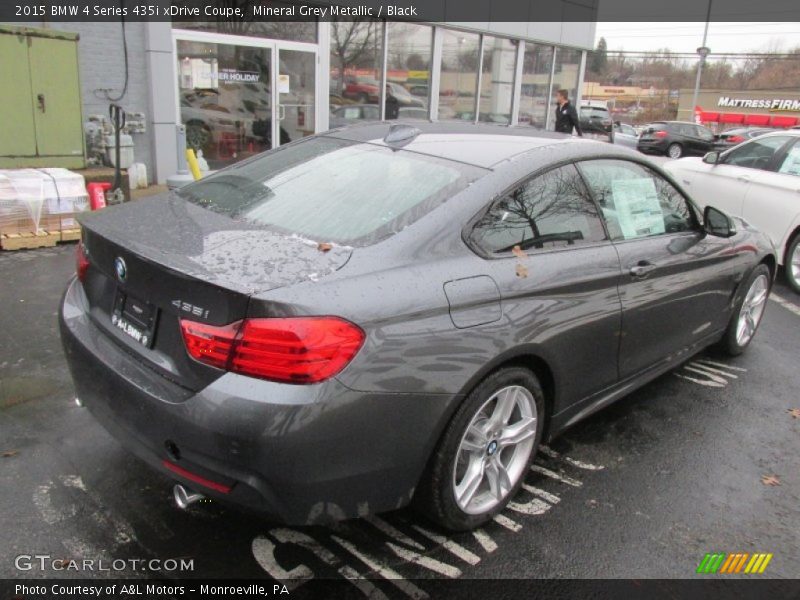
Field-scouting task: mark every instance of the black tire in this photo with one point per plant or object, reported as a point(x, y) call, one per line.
point(729, 343)
point(792, 249)
point(435, 496)
point(674, 148)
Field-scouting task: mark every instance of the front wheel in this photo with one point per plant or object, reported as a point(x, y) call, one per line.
point(485, 452)
point(675, 151)
point(749, 311)
point(792, 263)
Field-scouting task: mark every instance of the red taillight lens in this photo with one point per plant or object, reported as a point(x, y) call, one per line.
point(735, 139)
point(660, 134)
point(81, 262)
point(208, 343)
point(291, 350)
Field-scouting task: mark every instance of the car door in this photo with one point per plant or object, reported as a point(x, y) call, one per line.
point(676, 281)
point(772, 199)
point(557, 273)
point(724, 185)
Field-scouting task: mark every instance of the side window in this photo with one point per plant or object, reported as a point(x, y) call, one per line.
point(552, 210)
point(636, 202)
point(756, 154)
point(790, 165)
point(704, 134)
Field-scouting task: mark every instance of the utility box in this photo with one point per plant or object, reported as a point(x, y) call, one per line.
point(41, 107)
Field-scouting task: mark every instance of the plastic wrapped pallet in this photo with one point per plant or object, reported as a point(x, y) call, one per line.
point(40, 200)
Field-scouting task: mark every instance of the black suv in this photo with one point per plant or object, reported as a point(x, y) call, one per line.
point(596, 122)
point(676, 139)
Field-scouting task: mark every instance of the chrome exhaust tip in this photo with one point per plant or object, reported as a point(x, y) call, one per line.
point(185, 498)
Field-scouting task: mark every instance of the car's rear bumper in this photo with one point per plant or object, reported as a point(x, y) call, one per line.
point(302, 454)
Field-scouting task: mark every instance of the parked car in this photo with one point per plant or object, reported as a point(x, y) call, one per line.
point(732, 137)
point(366, 92)
point(596, 122)
point(758, 180)
point(675, 139)
point(352, 113)
point(407, 112)
point(386, 314)
point(625, 135)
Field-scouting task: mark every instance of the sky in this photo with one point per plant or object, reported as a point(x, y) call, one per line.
point(687, 36)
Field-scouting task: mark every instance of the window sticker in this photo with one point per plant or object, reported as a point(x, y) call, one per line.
point(791, 164)
point(638, 210)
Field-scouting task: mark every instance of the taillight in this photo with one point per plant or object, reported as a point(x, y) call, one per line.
point(660, 134)
point(735, 139)
point(290, 350)
point(81, 262)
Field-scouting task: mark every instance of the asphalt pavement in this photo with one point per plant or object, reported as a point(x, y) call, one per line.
point(642, 489)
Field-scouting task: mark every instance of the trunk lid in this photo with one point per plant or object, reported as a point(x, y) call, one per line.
point(158, 260)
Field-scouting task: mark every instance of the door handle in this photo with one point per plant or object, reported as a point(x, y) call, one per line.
point(641, 269)
point(40, 100)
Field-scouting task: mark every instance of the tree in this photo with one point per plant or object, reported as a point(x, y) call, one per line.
point(599, 61)
point(353, 43)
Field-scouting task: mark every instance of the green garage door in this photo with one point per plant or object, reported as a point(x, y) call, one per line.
point(41, 108)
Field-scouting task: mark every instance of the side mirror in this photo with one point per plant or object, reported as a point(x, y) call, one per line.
point(711, 158)
point(716, 222)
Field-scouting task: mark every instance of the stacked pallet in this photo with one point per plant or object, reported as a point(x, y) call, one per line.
point(38, 207)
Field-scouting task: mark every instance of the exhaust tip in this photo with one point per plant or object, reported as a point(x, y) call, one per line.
point(184, 498)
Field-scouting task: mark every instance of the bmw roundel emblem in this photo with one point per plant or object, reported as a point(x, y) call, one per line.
point(121, 268)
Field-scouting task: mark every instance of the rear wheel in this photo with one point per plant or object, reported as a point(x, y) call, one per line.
point(792, 263)
point(675, 150)
point(485, 451)
point(747, 316)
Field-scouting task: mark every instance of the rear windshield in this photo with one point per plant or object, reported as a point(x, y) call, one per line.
point(332, 190)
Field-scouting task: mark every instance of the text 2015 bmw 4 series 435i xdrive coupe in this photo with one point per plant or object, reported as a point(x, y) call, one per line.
point(378, 315)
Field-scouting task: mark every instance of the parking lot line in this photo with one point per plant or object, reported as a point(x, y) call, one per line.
point(791, 307)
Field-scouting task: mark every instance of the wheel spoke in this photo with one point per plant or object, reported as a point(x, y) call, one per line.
point(518, 432)
point(471, 482)
point(504, 407)
point(474, 440)
point(497, 476)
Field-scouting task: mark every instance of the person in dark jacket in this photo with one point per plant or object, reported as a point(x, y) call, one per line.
point(392, 105)
point(566, 115)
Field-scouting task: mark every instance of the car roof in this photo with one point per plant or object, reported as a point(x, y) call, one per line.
point(475, 144)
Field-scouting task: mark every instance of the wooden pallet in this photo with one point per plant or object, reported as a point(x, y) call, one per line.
point(41, 239)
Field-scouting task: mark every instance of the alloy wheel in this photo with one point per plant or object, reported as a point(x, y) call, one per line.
point(674, 151)
point(793, 265)
point(752, 310)
point(495, 450)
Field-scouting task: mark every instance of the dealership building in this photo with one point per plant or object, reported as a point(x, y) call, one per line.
point(238, 88)
point(725, 109)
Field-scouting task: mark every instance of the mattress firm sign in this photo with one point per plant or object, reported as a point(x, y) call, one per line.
point(772, 104)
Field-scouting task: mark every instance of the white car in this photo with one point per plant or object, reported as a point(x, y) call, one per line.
point(758, 180)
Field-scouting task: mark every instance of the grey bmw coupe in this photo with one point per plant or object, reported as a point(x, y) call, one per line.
point(386, 314)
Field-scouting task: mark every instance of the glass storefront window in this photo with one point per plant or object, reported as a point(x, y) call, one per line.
point(565, 77)
point(497, 79)
point(224, 98)
point(356, 57)
point(459, 79)
point(408, 70)
point(535, 89)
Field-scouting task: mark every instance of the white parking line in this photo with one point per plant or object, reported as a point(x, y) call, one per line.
point(556, 476)
point(392, 532)
point(386, 572)
point(425, 561)
point(485, 540)
point(454, 549)
point(547, 451)
point(509, 524)
point(791, 307)
point(551, 498)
